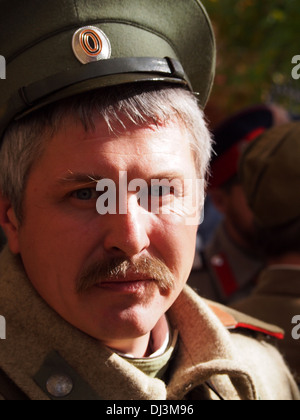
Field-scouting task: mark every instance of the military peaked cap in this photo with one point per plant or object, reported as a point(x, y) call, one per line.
point(270, 173)
point(59, 48)
point(231, 136)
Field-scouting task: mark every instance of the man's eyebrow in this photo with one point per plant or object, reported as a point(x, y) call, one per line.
point(84, 179)
point(79, 178)
point(169, 175)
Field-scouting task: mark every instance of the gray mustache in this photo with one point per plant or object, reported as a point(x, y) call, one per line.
point(104, 271)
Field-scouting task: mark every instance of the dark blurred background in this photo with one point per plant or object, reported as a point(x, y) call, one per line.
point(256, 41)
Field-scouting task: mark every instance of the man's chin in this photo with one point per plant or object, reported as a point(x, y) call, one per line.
point(119, 315)
point(129, 325)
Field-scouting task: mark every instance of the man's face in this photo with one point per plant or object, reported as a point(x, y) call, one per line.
point(63, 238)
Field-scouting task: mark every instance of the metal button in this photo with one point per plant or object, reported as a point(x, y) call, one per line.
point(59, 385)
point(91, 44)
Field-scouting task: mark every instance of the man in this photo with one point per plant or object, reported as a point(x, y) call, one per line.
point(98, 197)
point(230, 261)
point(270, 174)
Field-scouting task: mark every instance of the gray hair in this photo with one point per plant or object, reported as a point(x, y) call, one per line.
point(26, 139)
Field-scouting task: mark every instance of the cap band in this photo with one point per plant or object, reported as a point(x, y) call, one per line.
point(166, 67)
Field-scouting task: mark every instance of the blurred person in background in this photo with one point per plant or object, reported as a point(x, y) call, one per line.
point(2, 239)
point(229, 264)
point(270, 174)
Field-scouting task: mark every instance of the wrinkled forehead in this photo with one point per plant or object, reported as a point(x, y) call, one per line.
point(167, 140)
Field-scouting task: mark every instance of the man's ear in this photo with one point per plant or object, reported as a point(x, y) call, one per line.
point(9, 224)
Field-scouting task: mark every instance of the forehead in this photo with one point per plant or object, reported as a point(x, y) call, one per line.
point(72, 145)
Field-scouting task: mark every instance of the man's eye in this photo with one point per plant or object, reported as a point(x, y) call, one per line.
point(161, 190)
point(85, 194)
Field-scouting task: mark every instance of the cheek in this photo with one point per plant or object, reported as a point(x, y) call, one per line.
point(176, 243)
point(55, 248)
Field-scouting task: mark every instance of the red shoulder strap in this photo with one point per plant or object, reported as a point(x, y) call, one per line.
point(232, 320)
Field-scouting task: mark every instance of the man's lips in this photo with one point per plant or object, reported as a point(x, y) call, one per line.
point(129, 284)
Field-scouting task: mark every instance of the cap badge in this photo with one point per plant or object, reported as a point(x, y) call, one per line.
point(91, 44)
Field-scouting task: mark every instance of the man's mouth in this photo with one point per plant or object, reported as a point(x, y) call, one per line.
point(126, 286)
point(127, 276)
point(131, 283)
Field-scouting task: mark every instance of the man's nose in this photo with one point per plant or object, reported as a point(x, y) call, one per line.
point(127, 234)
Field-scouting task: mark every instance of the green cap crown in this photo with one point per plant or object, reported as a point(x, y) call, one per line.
point(270, 173)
